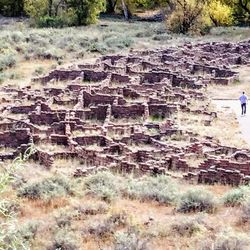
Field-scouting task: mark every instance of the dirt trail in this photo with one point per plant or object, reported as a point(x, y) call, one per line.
point(244, 121)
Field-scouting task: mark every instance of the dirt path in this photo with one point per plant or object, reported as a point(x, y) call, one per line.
point(244, 121)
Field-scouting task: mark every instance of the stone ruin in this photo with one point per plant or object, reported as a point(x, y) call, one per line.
point(120, 113)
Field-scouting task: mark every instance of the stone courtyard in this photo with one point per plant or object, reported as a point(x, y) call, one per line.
point(121, 112)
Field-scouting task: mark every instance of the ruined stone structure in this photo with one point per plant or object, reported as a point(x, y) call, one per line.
point(120, 112)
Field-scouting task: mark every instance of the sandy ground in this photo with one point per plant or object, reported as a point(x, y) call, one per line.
point(244, 121)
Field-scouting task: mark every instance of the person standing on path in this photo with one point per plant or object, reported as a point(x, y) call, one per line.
point(243, 101)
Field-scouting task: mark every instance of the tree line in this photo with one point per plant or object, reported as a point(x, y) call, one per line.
point(182, 15)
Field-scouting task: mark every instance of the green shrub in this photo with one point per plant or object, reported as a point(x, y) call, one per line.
point(105, 228)
point(64, 218)
point(46, 189)
point(13, 76)
point(162, 37)
point(9, 208)
point(160, 188)
point(39, 39)
point(2, 77)
point(245, 216)
point(17, 36)
point(145, 33)
point(100, 229)
point(105, 185)
point(197, 200)
point(228, 240)
point(237, 196)
point(64, 240)
point(97, 48)
point(91, 209)
point(120, 42)
point(7, 61)
point(28, 231)
point(48, 54)
point(108, 187)
point(130, 239)
point(53, 22)
point(187, 227)
point(38, 71)
point(118, 219)
point(18, 237)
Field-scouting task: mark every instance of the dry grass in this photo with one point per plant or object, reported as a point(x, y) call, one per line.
point(25, 70)
point(232, 137)
point(227, 116)
point(5, 150)
point(195, 123)
point(48, 147)
point(233, 91)
point(153, 221)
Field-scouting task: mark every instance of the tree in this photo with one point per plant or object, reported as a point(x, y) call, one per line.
point(11, 7)
point(36, 8)
point(40, 8)
point(86, 11)
point(245, 5)
point(126, 9)
point(187, 14)
point(110, 6)
point(241, 10)
point(220, 13)
point(130, 5)
point(149, 4)
point(59, 13)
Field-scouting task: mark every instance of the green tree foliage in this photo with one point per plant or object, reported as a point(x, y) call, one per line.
point(188, 15)
point(127, 7)
point(149, 4)
point(59, 13)
point(36, 8)
point(39, 8)
point(220, 13)
point(199, 15)
point(183, 15)
point(11, 7)
point(86, 11)
point(110, 6)
point(241, 10)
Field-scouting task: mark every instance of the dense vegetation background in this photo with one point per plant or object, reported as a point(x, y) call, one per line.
point(182, 16)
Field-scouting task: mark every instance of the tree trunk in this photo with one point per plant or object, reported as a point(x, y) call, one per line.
point(57, 7)
point(111, 4)
point(244, 6)
point(50, 7)
point(125, 10)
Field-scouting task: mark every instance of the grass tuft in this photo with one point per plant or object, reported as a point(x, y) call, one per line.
point(46, 189)
point(237, 196)
point(196, 200)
